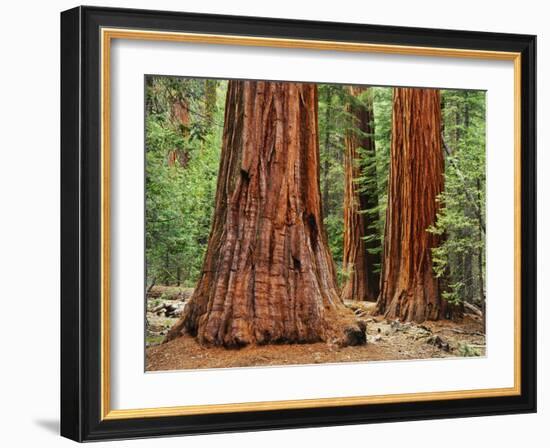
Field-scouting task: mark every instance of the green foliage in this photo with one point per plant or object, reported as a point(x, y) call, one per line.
point(153, 339)
point(460, 260)
point(467, 350)
point(454, 292)
point(179, 197)
point(383, 103)
point(332, 126)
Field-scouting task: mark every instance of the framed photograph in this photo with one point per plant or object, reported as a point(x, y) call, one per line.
point(276, 224)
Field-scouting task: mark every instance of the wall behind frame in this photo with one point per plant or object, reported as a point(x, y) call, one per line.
point(29, 229)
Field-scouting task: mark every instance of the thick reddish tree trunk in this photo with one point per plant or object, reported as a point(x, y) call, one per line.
point(358, 261)
point(409, 290)
point(268, 275)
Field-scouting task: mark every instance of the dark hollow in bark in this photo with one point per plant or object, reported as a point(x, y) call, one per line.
point(409, 289)
point(363, 279)
point(268, 275)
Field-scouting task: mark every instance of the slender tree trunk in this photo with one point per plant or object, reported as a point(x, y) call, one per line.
point(467, 274)
point(150, 287)
point(210, 86)
point(179, 156)
point(180, 117)
point(450, 311)
point(167, 274)
point(326, 146)
point(268, 275)
point(360, 264)
point(482, 298)
point(409, 289)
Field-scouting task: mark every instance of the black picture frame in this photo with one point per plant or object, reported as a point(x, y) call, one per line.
point(81, 224)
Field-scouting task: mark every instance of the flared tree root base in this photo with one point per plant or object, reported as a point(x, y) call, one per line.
point(343, 330)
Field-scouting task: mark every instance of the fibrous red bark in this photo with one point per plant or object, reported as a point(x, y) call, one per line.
point(359, 261)
point(409, 289)
point(180, 118)
point(268, 275)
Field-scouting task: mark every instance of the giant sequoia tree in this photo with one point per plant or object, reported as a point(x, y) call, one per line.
point(360, 235)
point(268, 275)
point(409, 288)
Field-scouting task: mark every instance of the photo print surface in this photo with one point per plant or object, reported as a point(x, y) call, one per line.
point(297, 223)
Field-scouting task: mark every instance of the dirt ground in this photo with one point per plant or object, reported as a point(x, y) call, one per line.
point(386, 340)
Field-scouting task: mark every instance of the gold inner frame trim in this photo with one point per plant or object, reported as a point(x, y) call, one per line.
point(107, 35)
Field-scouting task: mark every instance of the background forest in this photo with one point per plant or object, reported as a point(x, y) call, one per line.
point(184, 127)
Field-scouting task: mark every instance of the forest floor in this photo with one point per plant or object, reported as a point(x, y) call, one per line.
point(386, 340)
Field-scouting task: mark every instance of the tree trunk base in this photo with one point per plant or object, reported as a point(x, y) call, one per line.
point(341, 328)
